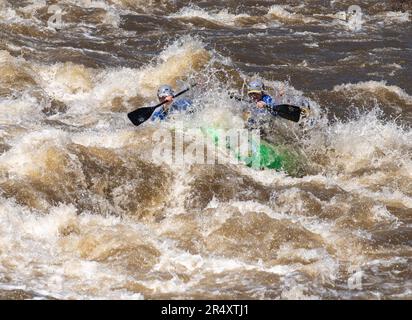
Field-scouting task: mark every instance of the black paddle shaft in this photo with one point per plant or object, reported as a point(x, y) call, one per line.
point(138, 116)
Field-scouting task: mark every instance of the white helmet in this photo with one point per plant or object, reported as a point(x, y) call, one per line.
point(255, 86)
point(165, 91)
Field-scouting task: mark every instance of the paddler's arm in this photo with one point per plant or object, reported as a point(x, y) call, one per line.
point(161, 112)
point(269, 103)
point(183, 105)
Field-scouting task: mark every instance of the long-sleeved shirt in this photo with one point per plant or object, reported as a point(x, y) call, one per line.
point(180, 105)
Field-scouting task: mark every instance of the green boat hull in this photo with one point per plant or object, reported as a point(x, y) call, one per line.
point(261, 155)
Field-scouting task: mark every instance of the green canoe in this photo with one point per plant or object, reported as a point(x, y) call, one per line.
point(261, 155)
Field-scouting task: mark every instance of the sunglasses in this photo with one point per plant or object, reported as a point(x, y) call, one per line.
point(254, 95)
point(163, 98)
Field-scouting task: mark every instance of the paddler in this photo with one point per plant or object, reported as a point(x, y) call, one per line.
point(166, 93)
point(263, 104)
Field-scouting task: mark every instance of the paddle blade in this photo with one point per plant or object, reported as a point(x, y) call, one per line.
point(288, 112)
point(141, 115)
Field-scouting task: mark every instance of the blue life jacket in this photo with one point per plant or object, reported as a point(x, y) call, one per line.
point(177, 106)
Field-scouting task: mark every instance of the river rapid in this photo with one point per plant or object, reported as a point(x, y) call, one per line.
point(86, 211)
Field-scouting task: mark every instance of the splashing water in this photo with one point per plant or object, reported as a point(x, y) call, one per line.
point(86, 211)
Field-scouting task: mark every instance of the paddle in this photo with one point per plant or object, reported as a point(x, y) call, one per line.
point(288, 112)
point(285, 111)
point(138, 116)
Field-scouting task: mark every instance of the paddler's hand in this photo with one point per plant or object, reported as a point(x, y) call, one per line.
point(261, 104)
point(246, 115)
point(280, 94)
point(305, 111)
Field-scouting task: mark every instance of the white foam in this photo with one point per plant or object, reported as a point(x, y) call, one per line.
point(357, 143)
point(394, 17)
point(221, 17)
point(111, 139)
point(113, 13)
point(7, 14)
point(381, 213)
point(279, 11)
point(375, 86)
point(22, 110)
point(33, 239)
point(86, 90)
point(27, 153)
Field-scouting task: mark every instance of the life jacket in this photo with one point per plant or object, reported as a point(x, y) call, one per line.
point(180, 105)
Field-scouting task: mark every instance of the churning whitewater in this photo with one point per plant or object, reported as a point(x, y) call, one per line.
point(87, 211)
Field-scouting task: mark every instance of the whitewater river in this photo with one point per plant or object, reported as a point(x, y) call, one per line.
point(86, 209)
